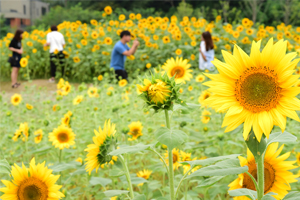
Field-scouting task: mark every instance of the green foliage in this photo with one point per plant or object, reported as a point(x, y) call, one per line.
point(4, 28)
point(184, 9)
point(59, 14)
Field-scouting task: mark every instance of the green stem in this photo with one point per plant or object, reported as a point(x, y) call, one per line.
point(185, 175)
point(170, 158)
point(260, 177)
point(121, 158)
point(60, 155)
point(253, 179)
point(161, 158)
point(26, 149)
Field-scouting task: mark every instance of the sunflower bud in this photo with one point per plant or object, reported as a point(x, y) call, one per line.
point(160, 92)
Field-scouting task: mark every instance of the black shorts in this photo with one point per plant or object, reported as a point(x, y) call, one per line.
point(55, 60)
point(122, 74)
point(15, 61)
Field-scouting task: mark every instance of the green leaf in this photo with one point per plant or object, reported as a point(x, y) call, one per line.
point(116, 172)
point(285, 137)
point(243, 192)
point(257, 148)
point(112, 193)
point(171, 138)
point(223, 168)
point(4, 167)
point(210, 161)
point(292, 196)
point(99, 180)
point(130, 149)
point(64, 166)
point(134, 180)
point(268, 197)
point(210, 181)
point(139, 197)
point(78, 171)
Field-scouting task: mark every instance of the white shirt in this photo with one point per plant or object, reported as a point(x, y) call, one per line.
point(209, 57)
point(56, 40)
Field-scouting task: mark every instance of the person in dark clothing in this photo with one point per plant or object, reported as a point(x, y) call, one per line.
point(16, 47)
point(119, 53)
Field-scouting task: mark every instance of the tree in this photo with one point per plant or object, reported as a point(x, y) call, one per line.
point(253, 6)
point(225, 9)
point(184, 9)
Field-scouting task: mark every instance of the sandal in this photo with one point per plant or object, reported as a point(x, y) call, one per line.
point(15, 85)
point(18, 84)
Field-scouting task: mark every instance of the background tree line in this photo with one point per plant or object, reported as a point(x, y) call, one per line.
point(267, 12)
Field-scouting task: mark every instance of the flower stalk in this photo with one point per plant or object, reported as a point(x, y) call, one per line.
point(260, 177)
point(124, 164)
point(170, 155)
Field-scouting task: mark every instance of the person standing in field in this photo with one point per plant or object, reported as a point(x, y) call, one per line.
point(56, 42)
point(16, 47)
point(119, 53)
point(207, 52)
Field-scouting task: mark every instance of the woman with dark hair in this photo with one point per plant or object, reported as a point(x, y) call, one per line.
point(16, 47)
point(207, 52)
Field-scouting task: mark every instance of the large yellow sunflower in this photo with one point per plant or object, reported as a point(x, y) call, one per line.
point(257, 90)
point(37, 182)
point(62, 137)
point(97, 152)
point(135, 130)
point(277, 176)
point(178, 68)
point(16, 99)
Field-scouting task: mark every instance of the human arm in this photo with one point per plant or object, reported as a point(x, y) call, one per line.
point(203, 55)
point(133, 48)
point(47, 41)
point(19, 51)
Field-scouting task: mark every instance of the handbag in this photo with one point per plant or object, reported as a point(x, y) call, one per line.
point(12, 61)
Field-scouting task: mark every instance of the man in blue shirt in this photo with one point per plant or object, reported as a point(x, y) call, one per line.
point(119, 53)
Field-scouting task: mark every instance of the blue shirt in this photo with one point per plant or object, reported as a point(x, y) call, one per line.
point(117, 58)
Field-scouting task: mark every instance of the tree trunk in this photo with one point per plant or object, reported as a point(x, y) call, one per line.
point(287, 11)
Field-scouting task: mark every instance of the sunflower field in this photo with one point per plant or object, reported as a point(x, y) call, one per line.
point(172, 133)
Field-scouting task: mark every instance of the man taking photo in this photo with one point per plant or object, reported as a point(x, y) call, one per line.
point(119, 53)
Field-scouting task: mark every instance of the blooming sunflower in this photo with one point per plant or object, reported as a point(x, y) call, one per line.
point(66, 120)
point(108, 10)
point(176, 158)
point(204, 95)
point(123, 83)
point(135, 130)
point(100, 78)
point(77, 100)
point(277, 176)
point(257, 90)
point(178, 68)
point(93, 92)
point(24, 62)
point(144, 174)
point(38, 136)
point(62, 137)
point(37, 182)
point(97, 152)
point(298, 158)
point(29, 107)
point(200, 78)
point(16, 99)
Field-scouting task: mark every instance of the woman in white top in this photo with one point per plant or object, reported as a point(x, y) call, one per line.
point(56, 41)
point(207, 52)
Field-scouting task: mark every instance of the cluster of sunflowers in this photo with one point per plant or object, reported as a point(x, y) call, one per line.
point(88, 46)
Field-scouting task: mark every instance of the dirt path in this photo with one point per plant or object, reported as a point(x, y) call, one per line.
point(44, 83)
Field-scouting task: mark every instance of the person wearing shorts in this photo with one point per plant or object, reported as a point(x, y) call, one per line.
point(56, 42)
point(119, 53)
point(16, 47)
